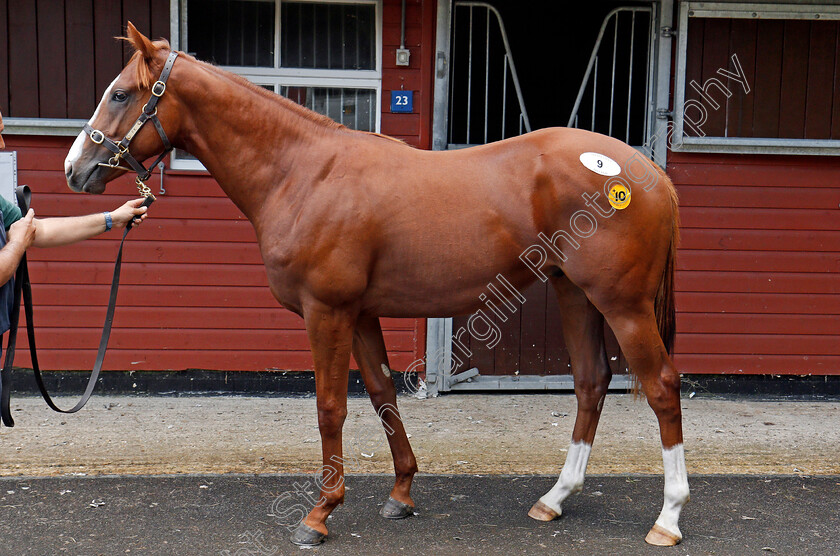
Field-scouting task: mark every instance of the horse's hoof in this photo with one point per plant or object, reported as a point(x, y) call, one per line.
point(394, 509)
point(305, 535)
point(659, 536)
point(541, 512)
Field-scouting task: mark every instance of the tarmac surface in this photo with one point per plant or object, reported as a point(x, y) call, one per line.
point(224, 475)
point(456, 514)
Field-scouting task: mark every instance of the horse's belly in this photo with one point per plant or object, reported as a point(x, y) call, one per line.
point(443, 292)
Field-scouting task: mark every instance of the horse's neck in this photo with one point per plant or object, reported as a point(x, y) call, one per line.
point(248, 143)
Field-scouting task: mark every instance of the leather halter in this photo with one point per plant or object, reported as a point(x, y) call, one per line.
point(121, 148)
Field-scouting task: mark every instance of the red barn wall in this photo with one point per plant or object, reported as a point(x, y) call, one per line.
point(758, 288)
point(194, 293)
point(758, 269)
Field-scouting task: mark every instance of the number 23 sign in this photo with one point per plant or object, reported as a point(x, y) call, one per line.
point(402, 101)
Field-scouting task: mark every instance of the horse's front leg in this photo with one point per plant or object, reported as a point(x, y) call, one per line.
point(330, 332)
point(583, 331)
point(369, 351)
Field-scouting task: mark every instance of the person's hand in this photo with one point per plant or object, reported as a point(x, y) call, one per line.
point(129, 211)
point(22, 232)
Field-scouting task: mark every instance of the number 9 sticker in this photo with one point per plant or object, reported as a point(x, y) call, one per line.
point(600, 164)
point(619, 196)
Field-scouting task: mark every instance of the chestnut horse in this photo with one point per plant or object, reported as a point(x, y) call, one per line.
point(354, 226)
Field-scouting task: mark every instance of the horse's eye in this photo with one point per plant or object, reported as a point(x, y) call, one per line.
point(119, 96)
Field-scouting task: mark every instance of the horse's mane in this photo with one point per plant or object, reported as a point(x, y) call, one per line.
point(145, 78)
point(142, 72)
point(290, 105)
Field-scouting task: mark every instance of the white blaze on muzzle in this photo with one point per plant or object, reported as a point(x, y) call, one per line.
point(76, 150)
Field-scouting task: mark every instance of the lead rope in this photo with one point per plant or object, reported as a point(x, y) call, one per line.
point(23, 288)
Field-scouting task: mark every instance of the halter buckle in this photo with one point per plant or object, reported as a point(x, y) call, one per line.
point(152, 114)
point(98, 134)
point(162, 86)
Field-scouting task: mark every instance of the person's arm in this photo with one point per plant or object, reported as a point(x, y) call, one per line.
point(18, 239)
point(59, 231)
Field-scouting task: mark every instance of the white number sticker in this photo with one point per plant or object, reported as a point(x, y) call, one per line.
point(600, 164)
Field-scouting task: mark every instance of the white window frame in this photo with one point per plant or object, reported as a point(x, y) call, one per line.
point(750, 145)
point(289, 77)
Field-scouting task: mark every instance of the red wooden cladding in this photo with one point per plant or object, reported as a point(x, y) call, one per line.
point(194, 292)
point(80, 49)
point(758, 197)
point(62, 53)
point(149, 273)
point(740, 323)
point(52, 69)
point(758, 282)
point(532, 339)
point(759, 303)
point(149, 359)
point(157, 251)
point(272, 318)
point(791, 70)
point(759, 261)
point(794, 80)
point(715, 56)
point(820, 81)
point(138, 14)
point(420, 27)
point(760, 219)
point(533, 332)
point(768, 75)
point(765, 344)
point(757, 363)
point(740, 107)
point(835, 112)
point(202, 339)
point(23, 60)
point(760, 240)
point(765, 172)
point(758, 271)
point(84, 295)
point(4, 59)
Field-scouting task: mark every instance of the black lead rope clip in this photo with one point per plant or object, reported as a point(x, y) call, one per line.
point(23, 290)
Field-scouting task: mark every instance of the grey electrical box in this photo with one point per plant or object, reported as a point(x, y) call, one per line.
point(8, 176)
point(402, 56)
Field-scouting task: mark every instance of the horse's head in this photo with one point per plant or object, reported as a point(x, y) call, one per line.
point(118, 112)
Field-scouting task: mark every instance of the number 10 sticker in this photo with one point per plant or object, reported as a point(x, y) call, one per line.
point(619, 197)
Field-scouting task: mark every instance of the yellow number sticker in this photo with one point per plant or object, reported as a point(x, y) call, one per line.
point(619, 197)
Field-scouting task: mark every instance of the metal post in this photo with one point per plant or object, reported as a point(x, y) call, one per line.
point(630, 78)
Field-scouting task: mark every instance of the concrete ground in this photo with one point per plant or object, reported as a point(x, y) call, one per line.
point(467, 433)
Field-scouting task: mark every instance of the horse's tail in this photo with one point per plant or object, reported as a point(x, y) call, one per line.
point(666, 314)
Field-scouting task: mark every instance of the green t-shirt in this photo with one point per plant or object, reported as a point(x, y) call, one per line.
point(11, 213)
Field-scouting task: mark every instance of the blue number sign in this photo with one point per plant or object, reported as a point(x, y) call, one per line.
point(402, 101)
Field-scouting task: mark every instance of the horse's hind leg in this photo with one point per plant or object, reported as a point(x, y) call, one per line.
point(583, 331)
point(638, 336)
point(369, 351)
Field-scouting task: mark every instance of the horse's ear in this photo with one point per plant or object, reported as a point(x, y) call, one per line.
point(140, 42)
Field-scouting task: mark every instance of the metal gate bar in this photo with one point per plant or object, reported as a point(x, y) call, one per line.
point(613, 18)
point(473, 39)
